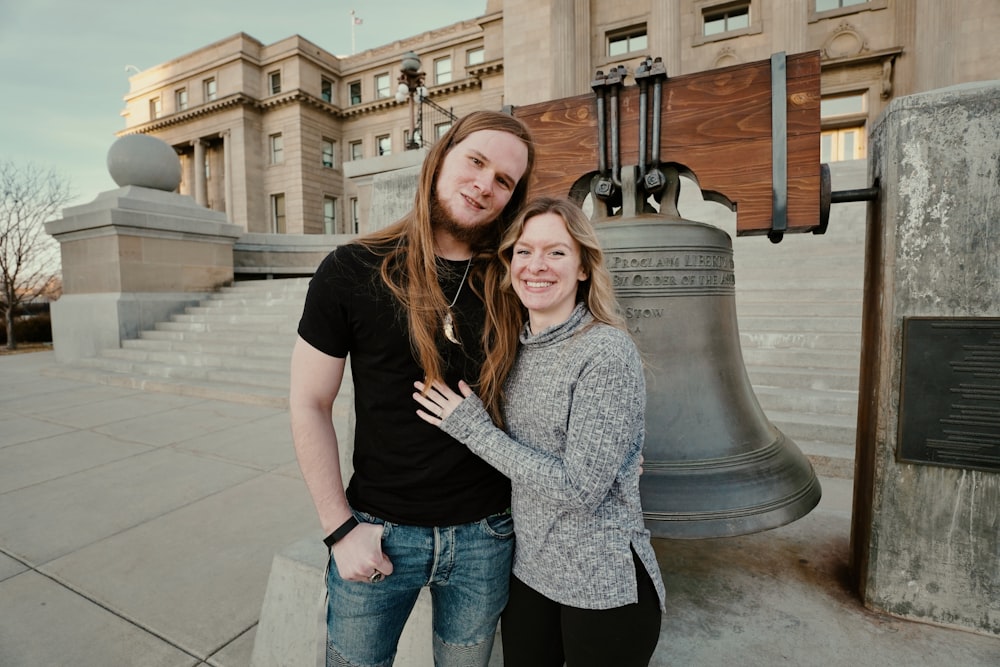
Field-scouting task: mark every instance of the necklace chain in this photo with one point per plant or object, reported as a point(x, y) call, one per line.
point(449, 323)
point(461, 284)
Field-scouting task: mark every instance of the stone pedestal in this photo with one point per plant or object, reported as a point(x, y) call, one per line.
point(130, 258)
point(926, 535)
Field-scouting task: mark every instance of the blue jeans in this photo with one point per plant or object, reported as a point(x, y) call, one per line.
point(467, 569)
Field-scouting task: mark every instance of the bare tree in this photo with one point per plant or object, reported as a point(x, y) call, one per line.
point(29, 258)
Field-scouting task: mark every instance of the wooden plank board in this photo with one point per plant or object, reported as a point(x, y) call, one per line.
point(717, 124)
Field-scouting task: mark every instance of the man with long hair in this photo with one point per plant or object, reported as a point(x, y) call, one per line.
point(421, 509)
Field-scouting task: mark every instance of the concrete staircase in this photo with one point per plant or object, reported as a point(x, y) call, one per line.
point(235, 345)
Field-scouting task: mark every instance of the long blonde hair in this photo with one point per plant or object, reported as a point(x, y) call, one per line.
point(409, 266)
point(505, 315)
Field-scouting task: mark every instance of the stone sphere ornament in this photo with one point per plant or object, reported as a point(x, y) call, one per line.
point(144, 161)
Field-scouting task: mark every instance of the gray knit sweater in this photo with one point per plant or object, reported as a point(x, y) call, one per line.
point(575, 428)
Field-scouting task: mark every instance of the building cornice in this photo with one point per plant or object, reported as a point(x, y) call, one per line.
point(387, 102)
point(491, 68)
point(472, 81)
point(867, 57)
point(291, 97)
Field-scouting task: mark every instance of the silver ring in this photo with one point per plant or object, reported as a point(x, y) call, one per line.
point(376, 577)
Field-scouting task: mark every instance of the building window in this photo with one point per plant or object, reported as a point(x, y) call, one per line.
point(326, 90)
point(627, 41)
point(727, 19)
point(327, 150)
point(329, 215)
point(384, 144)
point(846, 143)
point(381, 86)
point(181, 99)
point(277, 149)
point(843, 119)
point(155, 108)
point(278, 214)
point(842, 105)
point(354, 90)
point(274, 82)
point(440, 129)
point(355, 218)
point(210, 90)
point(442, 71)
point(357, 151)
point(475, 56)
point(829, 5)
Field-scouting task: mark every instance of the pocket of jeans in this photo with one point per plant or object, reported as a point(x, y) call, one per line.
point(368, 518)
point(500, 526)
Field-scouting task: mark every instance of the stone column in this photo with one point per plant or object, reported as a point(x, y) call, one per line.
point(563, 41)
point(227, 174)
point(664, 34)
point(925, 538)
point(789, 20)
point(200, 186)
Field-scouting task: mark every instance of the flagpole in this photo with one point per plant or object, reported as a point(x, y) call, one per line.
point(353, 23)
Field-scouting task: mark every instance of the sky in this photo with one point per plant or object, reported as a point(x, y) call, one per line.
point(64, 61)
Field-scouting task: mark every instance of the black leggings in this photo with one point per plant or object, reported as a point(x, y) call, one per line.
point(538, 632)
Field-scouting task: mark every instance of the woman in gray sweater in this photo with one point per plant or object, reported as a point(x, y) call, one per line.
point(561, 414)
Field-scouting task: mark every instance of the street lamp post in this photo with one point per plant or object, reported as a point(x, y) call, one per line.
point(411, 86)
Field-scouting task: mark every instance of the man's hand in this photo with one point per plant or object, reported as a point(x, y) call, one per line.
point(358, 556)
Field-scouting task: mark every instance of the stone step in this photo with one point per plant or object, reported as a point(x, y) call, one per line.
point(251, 378)
point(800, 340)
point(200, 359)
point(811, 427)
point(790, 324)
point(249, 319)
point(288, 307)
point(808, 401)
point(797, 378)
point(283, 325)
point(802, 358)
point(278, 338)
point(277, 348)
point(829, 459)
point(788, 305)
point(210, 389)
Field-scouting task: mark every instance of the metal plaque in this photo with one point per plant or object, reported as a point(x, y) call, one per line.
point(950, 395)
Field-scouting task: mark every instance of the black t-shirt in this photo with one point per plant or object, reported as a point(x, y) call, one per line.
point(405, 470)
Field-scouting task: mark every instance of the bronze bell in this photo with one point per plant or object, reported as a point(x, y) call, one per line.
point(714, 465)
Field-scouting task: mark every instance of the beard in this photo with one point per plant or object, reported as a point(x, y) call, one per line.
point(476, 236)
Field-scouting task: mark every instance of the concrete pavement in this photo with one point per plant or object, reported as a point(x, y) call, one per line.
point(138, 528)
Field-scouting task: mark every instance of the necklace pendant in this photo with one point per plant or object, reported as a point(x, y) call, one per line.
point(449, 328)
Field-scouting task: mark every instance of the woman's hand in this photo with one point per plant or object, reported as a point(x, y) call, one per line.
point(439, 400)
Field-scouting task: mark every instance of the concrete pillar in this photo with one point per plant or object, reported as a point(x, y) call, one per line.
point(131, 258)
point(664, 34)
point(789, 20)
point(925, 534)
point(227, 161)
point(200, 186)
point(563, 40)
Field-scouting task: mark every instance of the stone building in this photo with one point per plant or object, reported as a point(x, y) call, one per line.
point(285, 137)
